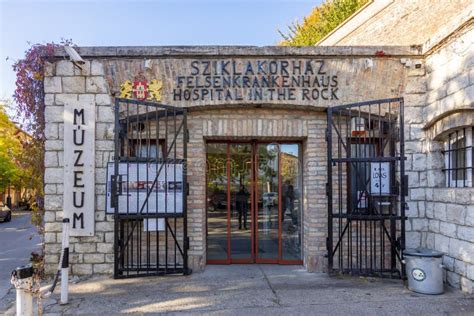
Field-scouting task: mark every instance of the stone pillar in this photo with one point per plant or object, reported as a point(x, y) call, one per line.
point(64, 82)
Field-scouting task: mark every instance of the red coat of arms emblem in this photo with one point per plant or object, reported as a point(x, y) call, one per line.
point(140, 89)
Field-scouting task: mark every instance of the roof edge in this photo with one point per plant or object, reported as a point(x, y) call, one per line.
point(240, 51)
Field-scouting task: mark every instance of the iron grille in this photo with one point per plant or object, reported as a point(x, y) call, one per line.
point(459, 158)
point(148, 189)
point(366, 188)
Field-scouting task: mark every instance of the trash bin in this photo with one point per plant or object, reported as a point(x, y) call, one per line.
point(424, 270)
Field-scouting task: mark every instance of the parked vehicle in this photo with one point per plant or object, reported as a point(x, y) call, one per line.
point(25, 204)
point(5, 213)
point(270, 198)
point(217, 200)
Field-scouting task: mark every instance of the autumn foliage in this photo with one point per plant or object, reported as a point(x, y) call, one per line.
point(320, 22)
point(30, 108)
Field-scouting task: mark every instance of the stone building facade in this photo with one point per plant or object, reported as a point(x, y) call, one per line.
point(438, 95)
point(447, 212)
point(440, 212)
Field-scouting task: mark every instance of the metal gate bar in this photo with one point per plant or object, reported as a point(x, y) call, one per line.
point(366, 188)
point(149, 188)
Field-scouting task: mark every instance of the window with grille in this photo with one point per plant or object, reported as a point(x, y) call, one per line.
point(147, 148)
point(458, 158)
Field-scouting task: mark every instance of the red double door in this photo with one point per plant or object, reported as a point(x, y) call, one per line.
point(254, 202)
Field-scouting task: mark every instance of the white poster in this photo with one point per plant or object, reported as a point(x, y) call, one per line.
point(379, 178)
point(137, 181)
point(79, 164)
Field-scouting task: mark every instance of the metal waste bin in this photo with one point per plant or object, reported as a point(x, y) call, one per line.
point(424, 270)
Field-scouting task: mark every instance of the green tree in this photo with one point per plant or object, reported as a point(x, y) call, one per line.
point(11, 148)
point(320, 22)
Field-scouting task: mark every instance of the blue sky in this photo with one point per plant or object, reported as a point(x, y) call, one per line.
point(109, 23)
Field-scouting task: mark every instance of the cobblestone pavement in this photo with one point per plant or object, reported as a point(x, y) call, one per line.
point(255, 289)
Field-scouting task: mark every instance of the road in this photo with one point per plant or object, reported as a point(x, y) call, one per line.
point(18, 239)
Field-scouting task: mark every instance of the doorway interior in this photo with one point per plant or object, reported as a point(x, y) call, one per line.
point(254, 202)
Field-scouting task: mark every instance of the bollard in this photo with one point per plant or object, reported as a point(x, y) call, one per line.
point(22, 279)
point(63, 268)
point(65, 263)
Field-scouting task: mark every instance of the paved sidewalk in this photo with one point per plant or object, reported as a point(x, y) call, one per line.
point(18, 239)
point(256, 290)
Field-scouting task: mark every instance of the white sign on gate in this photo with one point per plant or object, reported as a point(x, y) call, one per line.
point(141, 191)
point(379, 178)
point(79, 164)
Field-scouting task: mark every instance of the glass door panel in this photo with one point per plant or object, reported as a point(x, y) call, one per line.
point(217, 245)
point(240, 205)
point(247, 219)
point(267, 201)
point(291, 197)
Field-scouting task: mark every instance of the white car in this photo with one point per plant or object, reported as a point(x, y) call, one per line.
point(5, 213)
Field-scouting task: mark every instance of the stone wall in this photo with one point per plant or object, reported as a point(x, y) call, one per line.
point(100, 78)
point(441, 218)
point(401, 23)
point(63, 83)
point(438, 93)
point(329, 81)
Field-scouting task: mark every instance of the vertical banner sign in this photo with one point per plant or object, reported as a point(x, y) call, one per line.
point(79, 163)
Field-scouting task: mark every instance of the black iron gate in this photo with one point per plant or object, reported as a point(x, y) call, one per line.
point(366, 188)
point(148, 189)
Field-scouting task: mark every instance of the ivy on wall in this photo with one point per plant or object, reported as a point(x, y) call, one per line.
point(30, 108)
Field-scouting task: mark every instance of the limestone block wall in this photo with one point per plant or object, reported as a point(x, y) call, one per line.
point(450, 100)
point(65, 82)
point(96, 80)
point(441, 218)
point(415, 164)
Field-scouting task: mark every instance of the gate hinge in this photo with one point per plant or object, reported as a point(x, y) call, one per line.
point(327, 245)
point(398, 243)
point(326, 134)
point(120, 243)
point(186, 135)
point(327, 188)
point(116, 188)
point(405, 181)
point(186, 243)
point(121, 130)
